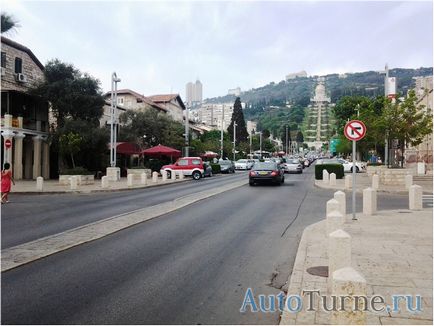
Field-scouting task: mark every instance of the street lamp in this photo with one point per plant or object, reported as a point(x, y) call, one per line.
point(113, 119)
point(221, 132)
point(235, 126)
point(260, 144)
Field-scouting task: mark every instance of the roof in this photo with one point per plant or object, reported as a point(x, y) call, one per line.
point(145, 99)
point(24, 49)
point(165, 98)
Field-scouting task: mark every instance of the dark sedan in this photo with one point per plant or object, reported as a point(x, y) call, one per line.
point(269, 172)
point(227, 166)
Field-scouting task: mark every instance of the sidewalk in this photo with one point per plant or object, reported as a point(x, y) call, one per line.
point(53, 186)
point(363, 181)
point(393, 252)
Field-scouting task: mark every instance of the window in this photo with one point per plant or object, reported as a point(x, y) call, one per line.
point(3, 59)
point(120, 100)
point(183, 162)
point(18, 65)
point(195, 162)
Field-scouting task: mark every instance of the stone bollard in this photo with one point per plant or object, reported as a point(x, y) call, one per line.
point(130, 179)
point(181, 175)
point(339, 253)
point(325, 177)
point(369, 201)
point(350, 287)
point(39, 183)
point(144, 179)
point(375, 181)
point(332, 205)
point(163, 175)
point(348, 181)
point(334, 221)
point(73, 182)
point(155, 177)
point(332, 179)
point(415, 198)
point(173, 175)
point(105, 182)
point(341, 198)
point(408, 181)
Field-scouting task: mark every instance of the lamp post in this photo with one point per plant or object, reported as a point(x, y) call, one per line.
point(260, 144)
point(113, 119)
point(235, 128)
point(186, 135)
point(250, 139)
point(221, 132)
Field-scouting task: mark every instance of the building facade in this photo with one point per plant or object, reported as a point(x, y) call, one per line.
point(193, 93)
point(24, 118)
point(235, 91)
point(214, 115)
point(172, 103)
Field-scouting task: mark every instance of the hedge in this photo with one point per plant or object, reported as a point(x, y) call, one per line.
point(338, 169)
point(216, 168)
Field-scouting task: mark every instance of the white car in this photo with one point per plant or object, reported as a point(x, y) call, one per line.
point(348, 166)
point(243, 164)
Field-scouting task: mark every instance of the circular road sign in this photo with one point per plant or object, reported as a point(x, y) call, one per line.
point(8, 143)
point(355, 130)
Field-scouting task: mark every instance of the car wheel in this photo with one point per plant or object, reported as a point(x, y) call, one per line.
point(169, 174)
point(251, 183)
point(357, 170)
point(196, 175)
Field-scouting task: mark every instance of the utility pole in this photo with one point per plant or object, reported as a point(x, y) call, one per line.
point(187, 127)
point(113, 119)
point(386, 93)
point(250, 136)
point(221, 133)
point(286, 139)
point(235, 137)
point(260, 144)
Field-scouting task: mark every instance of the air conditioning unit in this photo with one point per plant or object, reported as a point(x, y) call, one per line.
point(21, 78)
point(3, 71)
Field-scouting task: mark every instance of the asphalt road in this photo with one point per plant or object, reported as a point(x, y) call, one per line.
point(30, 217)
point(191, 266)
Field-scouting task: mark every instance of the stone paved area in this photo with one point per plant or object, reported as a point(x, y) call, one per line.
point(392, 250)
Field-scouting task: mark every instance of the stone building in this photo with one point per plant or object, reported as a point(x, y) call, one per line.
point(130, 100)
point(24, 118)
point(172, 103)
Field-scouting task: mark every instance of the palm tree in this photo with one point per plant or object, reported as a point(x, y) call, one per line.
point(8, 23)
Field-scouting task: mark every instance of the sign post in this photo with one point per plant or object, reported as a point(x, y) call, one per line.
point(354, 130)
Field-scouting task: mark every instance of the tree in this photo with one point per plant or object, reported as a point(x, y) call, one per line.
point(70, 92)
point(238, 118)
point(299, 138)
point(70, 144)
point(8, 23)
point(266, 133)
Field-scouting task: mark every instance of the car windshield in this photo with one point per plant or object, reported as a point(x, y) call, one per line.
point(225, 163)
point(242, 161)
point(295, 162)
point(265, 166)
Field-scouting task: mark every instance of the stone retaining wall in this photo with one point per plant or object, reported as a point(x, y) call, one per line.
point(389, 176)
point(81, 179)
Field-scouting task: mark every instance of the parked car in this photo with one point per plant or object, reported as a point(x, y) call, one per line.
point(190, 166)
point(243, 164)
point(227, 166)
point(293, 166)
point(270, 172)
point(348, 166)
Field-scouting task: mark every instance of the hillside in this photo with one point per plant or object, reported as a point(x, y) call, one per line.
point(277, 104)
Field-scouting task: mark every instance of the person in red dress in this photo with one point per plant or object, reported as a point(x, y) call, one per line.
point(6, 182)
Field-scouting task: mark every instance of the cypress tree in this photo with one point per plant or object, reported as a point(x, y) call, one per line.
point(238, 117)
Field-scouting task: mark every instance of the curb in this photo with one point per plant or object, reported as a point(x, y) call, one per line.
point(25, 253)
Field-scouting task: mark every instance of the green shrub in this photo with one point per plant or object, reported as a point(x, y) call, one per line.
point(216, 168)
point(79, 170)
point(338, 169)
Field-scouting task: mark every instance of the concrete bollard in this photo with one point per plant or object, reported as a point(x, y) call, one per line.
point(154, 177)
point(350, 288)
point(73, 182)
point(341, 198)
point(130, 179)
point(415, 198)
point(181, 175)
point(334, 221)
point(332, 179)
point(408, 181)
point(375, 181)
point(332, 205)
point(339, 253)
point(325, 177)
point(144, 179)
point(369, 201)
point(348, 181)
point(39, 183)
point(105, 182)
point(173, 175)
point(163, 175)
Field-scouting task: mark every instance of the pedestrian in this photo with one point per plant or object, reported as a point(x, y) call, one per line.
point(6, 182)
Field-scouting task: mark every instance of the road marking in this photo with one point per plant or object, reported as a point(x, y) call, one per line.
point(37, 249)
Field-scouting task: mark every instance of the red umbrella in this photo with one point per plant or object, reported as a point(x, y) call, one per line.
point(161, 150)
point(209, 154)
point(127, 148)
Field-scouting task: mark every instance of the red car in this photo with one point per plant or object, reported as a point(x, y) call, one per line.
point(190, 166)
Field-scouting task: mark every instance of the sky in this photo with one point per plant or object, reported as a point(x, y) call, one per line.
point(158, 47)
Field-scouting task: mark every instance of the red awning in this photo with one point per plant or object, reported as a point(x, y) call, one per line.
point(128, 148)
point(161, 150)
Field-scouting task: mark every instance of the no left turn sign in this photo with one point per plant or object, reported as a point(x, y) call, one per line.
point(355, 130)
